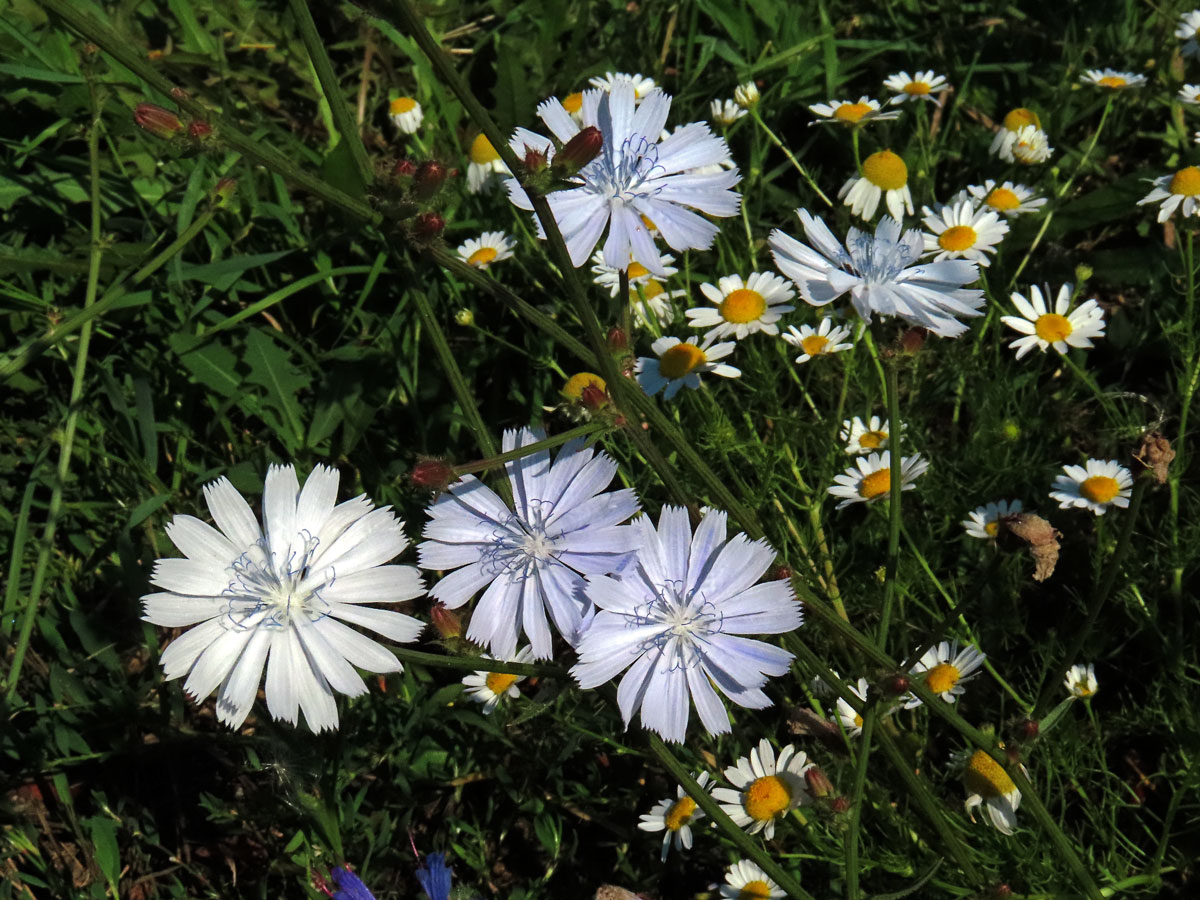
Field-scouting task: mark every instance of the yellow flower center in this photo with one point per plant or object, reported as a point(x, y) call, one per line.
point(754, 890)
point(1186, 182)
point(680, 813)
point(872, 440)
point(401, 105)
point(991, 529)
point(1052, 327)
point(957, 238)
point(851, 112)
point(499, 682)
point(577, 383)
point(885, 170)
point(743, 305)
point(917, 88)
point(1002, 199)
point(814, 344)
point(1082, 690)
point(1100, 488)
point(482, 152)
point(481, 257)
point(1020, 117)
point(648, 222)
point(637, 270)
point(942, 678)
point(766, 798)
point(1112, 81)
point(572, 103)
point(650, 289)
point(986, 777)
point(679, 360)
point(876, 484)
point(857, 721)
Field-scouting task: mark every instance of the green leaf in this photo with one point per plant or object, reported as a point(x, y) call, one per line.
point(104, 845)
point(34, 74)
point(271, 368)
point(222, 275)
point(210, 364)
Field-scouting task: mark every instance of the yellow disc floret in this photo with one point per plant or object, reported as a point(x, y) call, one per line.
point(680, 813)
point(1052, 327)
point(814, 344)
point(991, 529)
point(650, 289)
point(743, 305)
point(572, 103)
point(581, 381)
point(916, 88)
point(876, 484)
point(885, 170)
point(1002, 199)
point(1112, 81)
point(754, 890)
point(401, 105)
point(986, 777)
point(872, 440)
point(766, 798)
point(1100, 488)
point(482, 152)
point(678, 361)
point(637, 270)
point(1020, 117)
point(851, 112)
point(481, 257)
point(499, 682)
point(1186, 182)
point(942, 678)
point(957, 238)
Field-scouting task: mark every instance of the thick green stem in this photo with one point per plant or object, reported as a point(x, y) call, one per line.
point(529, 449)
point(476, 663)
point(858, 797)
point(896, 485)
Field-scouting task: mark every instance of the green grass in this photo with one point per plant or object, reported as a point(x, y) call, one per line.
point(155, 337)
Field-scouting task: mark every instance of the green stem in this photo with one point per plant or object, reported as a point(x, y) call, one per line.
point(476, 663)
point(896, 464)
point(529, 449)
point(779, 145)
point(1191, 367)
point(858, 797)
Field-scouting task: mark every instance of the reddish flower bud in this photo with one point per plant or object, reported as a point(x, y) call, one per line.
point(593, 398)
point(535, 160)
point(432, 474)
point(447, 622)
point(158, 121)
point(897, 684)
point(818, 782)
point(224, 191)
point(199, 130)
point(782, 573)
point(428, 178)
point(1002, 892)
point(1028, 729)
point(839, 804)
point(617, 339)
point(913, 340)
point(428, 225)
point(404, 168)
point(579, 151)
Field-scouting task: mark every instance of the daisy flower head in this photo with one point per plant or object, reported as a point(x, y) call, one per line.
point(1096, 485)
point(1081, 681)
point(678, 364)
point(922, 86)
point(746, 881)
point(573, 104)
point(489, 688)
point(880, 273)
point(1175, 191)
point(883, 175)
point(490, 247)
point(960, 231)
point(726, 112)
point(850, 720)
point(823, 340)
point(642, 84)
point(610, 276)
point(764, 788)
point(483, 165)
point(870, 478)
point(1190, 93)
point(676, 621)
point(945, 668)
point(746, 95)
point(638, 177)
point(651, 302)
point(741, 308)
point(1112, 80)
point(406, 115)
point(1031, 146)
point(1006, 135)
point(674, 818)
point(531, 558)
point(983, 522)
point(987, 783)
point(851, 112)
point(279, 595)
point(1008, 199)
point(1060, 329)
point(864, 437)
point(1187, 31)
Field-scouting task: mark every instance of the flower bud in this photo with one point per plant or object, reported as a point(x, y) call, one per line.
point(782, 573)
point(428, 225)
point(199, 130)
point(432, 474)
point(1083, 272)
point(579, 151)
point(594, 398)
point(1155, 454)
point(404, 168)
point(617, 339)
point(535, 160)
point(447, 622)
point(818, 782)
point(913, 340)
point(746, 95)
point(428, 178)
point(465, 317)
point(578, 383)
point(158, 121)
point(224, 191)
point(1028, 729)
point(1002, 892)
point(896, 685)
point(840, 804)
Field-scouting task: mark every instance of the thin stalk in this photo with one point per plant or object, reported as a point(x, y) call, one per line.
point(896, 484)
point(529, 449)
point(771, 136)
point(476, 663)
point(1192, 368)
point(858, 796)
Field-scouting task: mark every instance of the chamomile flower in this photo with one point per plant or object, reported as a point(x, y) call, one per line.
point(987, 783)
point(746, 881)
point(406, 114)
point(483, 165)
point(1060, 329)
point(642, 84)
point(725, 112)
point(864, 437)
point(922, 86)
point(823, 340)
point(870, 478)
point(884, 175)
point(490, 247)
point(610, 276)
point(651, 302)
point(489, 688)
point(637, 177)
point(1008, 199)
point(746, 95)
point(532, 558)
point(1031, 146)
point(764, 789)
point(1010, 128)
point(851, 721)
point(1190, 93)
point(1177, 191)
point(1112, 80)
point(1096, 485)
point(573, 103)
point(677, 619)
point(278, 596)
point(1081, 681)
point(741, 308)
point(851, 112)
point(674, 818)
point(945, 668)
point(678, 364)
point(1187, 30)
point(983, 522)
point(960, 231)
